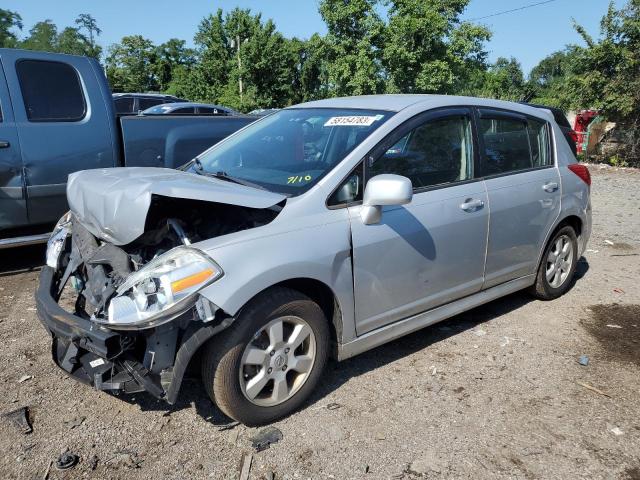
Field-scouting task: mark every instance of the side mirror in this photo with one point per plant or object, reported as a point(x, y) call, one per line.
point(384, 190)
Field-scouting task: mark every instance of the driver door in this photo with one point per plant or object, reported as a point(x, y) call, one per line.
point(431, 251)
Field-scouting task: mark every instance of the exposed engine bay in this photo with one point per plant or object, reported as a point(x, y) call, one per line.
point(105, 284)
point(102, 267)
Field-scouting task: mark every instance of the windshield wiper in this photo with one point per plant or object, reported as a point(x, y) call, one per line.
point(225, 176)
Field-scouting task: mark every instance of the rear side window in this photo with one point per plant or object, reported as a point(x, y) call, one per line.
point(124, 105)
point(506, 145)
point(51, 91)
point(539, 141)
point(144, 103)
point(184, 111)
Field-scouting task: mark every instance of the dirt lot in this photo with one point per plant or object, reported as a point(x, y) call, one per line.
point(495, 393)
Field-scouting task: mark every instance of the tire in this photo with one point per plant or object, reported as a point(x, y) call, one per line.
point(228, 363)
point(546, 289)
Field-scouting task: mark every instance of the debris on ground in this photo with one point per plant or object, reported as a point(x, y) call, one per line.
point(74, 422)
point(609, 242)
point(618, 290)
point(611, 325)
point(24, 378)
point(617, 431)
point(46, 472)
point(93, 462)
point(593, 389)
point(245, 468)
point(584, 360)
point(479, 332)
point(67, 460)
point(265, 437)
point(228, 426)
point(333, 406)
point(19, 418)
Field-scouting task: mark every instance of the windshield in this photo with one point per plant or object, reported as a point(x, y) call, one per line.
point(290, 151)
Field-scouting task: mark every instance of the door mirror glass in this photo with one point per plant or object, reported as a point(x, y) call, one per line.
point(382, 190)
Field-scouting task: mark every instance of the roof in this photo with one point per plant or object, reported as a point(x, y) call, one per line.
point(398, 102)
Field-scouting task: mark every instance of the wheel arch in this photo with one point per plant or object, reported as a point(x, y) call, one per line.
point(320, 293)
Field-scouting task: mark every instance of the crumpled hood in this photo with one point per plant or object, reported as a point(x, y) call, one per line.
point(112, 203)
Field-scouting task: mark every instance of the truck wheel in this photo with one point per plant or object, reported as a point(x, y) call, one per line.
point(558, 265)
point(266, 365)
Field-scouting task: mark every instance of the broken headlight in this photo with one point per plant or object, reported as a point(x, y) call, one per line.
point(161, 290)
point(56, 241)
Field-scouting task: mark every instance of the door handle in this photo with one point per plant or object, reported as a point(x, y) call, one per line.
point(550, 187)
point(4, 144)
point(472, 205)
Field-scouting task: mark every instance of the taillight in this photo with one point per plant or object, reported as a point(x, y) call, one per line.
point(581, 171)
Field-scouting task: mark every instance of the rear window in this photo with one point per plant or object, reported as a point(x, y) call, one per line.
point(51, 91)
point(144, 103)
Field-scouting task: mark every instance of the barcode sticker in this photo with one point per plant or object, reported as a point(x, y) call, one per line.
point(351, 121)
point(96, 363)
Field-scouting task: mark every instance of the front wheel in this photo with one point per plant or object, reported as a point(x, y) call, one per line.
point(267, 364)
point(558, 265)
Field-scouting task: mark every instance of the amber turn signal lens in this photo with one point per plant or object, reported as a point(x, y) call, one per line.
point(191, 280)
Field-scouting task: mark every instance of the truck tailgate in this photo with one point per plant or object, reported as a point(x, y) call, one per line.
point(171, 141)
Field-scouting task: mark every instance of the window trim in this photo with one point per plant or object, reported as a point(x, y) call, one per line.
point(499, 113)
point(338, 206)
point(80, 84)
point(417, 121)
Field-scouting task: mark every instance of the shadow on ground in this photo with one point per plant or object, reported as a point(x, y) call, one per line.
point(192, 393)
point(21, 259)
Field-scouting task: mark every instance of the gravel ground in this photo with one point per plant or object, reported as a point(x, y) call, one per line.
point(497, 392)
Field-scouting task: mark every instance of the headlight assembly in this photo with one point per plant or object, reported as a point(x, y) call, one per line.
point(56, 241)
point(161, 290)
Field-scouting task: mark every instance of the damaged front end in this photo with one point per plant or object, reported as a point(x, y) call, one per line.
point(129, 318)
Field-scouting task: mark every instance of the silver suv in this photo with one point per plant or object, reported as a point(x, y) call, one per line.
point(325, 229)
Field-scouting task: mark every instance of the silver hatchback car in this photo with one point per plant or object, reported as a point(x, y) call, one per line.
point(325, 229)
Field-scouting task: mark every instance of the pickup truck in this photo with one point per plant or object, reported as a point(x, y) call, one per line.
point(57, 117)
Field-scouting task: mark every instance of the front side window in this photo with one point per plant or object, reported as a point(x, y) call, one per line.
point(506, 145)
point(290, 151)
point(51, 91)
point(434, 153)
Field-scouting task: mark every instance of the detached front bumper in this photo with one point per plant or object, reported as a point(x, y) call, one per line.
point(153, 360)
point(89, 353)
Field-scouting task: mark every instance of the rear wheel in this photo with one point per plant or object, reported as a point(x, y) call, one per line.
point(266, 365)
point(558, 265)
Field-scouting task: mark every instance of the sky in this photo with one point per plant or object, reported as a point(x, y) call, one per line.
point(529, 35)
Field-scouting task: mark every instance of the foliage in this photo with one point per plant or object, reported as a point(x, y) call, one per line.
point(353, 43)
point(9, 21)
point(130, 65)
point(606, 74)
point(427, 49)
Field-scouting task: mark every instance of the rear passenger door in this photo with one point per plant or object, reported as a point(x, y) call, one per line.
point(523, 186)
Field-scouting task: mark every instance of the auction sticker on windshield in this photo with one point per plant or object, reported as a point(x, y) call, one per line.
point(351, 121)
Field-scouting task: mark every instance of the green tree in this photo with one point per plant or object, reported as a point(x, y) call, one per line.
point(547, 80)
point(504, 80)
point(428, 49)
point(171, 55)
point(42, 36)
point(353, 43)
point(89, 24)
point(9, 21)
point(606, 73)
point(130, 65)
